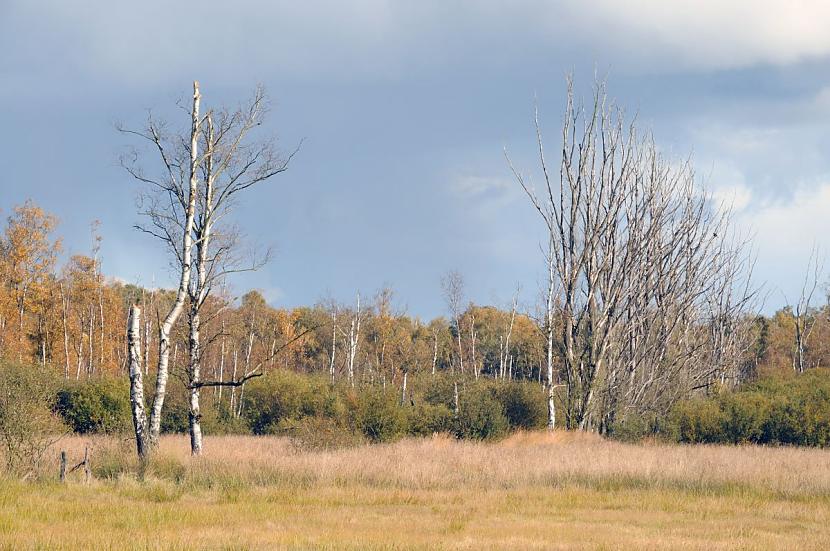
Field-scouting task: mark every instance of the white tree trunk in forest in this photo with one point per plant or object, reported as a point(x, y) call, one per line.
point(136, 382)
point(333, 343)
point(64, 306)
point(233, 376)
point(102, 325)
point(354, 338)
point(90, 370)
point(434, 349)
point(246, 371)
point(146, 335)
point(505, 354)
point(473, 335)
point(221, 365)
point(460, 348)
point(549, 335)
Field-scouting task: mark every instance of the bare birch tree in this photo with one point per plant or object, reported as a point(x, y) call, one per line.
point(803, 318)
point(353, 340)
point(636, 254)
point(204, 174)
point(233, 162)
point(452, 285)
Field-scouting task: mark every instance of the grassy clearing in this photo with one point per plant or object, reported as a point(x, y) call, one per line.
point(529, 491)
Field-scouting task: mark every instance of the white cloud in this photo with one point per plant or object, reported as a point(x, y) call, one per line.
point(707, 33)
point(736, 197)
point(787, 228)
point(155, 40)
point(785, 231)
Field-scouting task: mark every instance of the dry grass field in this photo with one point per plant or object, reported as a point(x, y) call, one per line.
point(530, 491)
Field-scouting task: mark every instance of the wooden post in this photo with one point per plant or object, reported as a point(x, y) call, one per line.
point(87, 470)
point(63, 466)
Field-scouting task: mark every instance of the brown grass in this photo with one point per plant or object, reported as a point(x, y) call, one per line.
point(533, 490)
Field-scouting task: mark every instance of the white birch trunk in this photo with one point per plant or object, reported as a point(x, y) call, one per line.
point(136, 382)
point(195, 414)
point(434, 351)
point(233, 376)
point(549, 320)
point(221, 365)
point(64, 300)
point(473, 335)
point(354, 337)
point(333, 343)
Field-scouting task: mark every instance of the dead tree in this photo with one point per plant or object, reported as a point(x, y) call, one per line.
point(635, 253)
point(803, 318)
point(453, 286)
point(504, 342)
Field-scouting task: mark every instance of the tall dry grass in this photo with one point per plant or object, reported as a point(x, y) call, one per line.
point(525, 459)
point(530, 491)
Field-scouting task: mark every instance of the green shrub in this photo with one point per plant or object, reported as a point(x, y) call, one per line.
point(381, 418)
point(745, 415)
point(217, 420)
point(792, 410)
point(480, 416)
point(286, 395)
point(175, 416)
point(28, 426)
point(524, 405)
point(425, 419)
point(98, 406)
point(440, 391)
point(698, 421)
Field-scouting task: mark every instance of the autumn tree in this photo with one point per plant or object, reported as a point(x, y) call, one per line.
point(27, 259)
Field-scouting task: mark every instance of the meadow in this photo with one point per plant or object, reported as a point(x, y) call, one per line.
point(532, 490)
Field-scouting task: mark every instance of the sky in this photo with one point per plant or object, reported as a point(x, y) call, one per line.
point(405, 109)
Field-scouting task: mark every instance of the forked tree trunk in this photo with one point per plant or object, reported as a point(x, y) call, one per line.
point(184, 281)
